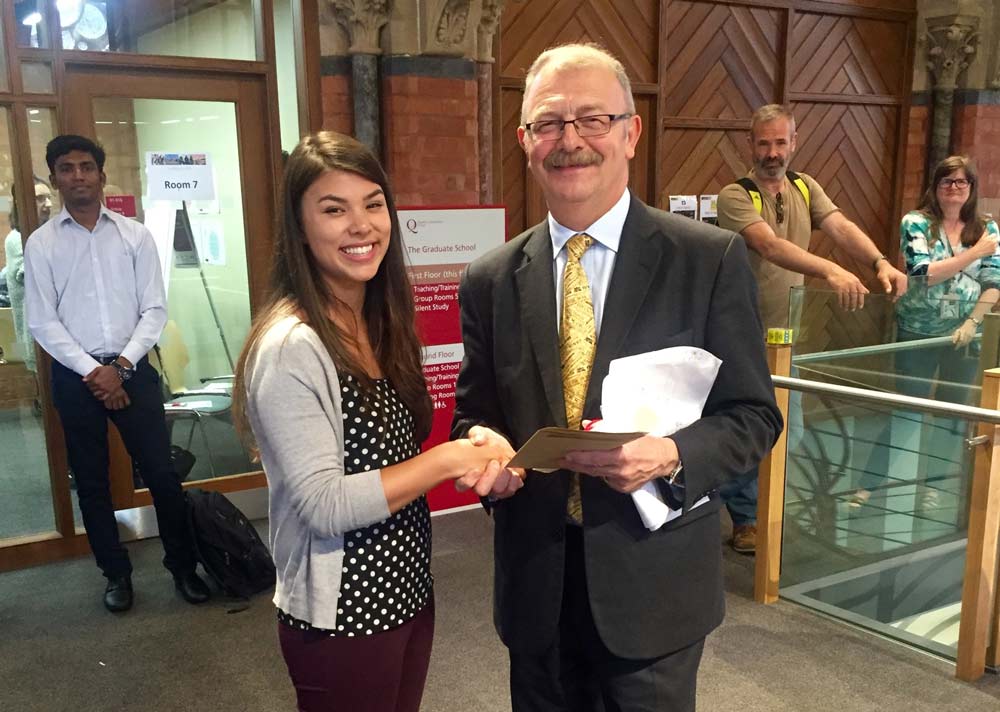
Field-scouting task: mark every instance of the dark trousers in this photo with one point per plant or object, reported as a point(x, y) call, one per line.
point(144, 431)
point(382, 672)
point(579, 674)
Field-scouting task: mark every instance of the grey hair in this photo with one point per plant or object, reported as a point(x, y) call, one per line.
point(578, 56)
point(770, 112)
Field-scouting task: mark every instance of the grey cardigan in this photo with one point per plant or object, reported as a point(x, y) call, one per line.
point(294, 406)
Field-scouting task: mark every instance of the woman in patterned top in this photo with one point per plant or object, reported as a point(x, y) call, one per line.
point(331, 386)
point(952, 250)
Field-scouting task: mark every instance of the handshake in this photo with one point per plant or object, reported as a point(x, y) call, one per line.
point(481, 464)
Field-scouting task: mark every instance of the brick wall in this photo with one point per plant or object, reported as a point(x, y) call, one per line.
point(917, 138)
point(976, 133)
point(335, 87)
point(430, 136)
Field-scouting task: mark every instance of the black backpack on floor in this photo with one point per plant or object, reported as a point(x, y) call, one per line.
point(227, 545)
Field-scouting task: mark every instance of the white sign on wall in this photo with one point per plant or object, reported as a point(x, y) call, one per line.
point(454, 236)
point(179, 176)
point(686, 205)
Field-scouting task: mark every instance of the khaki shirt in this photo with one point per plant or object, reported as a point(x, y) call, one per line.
point(736, 213)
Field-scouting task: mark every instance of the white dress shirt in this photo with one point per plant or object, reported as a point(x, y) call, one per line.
point(93, 293)
point(598, 262)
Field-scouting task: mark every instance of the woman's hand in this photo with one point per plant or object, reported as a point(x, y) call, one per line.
point(496, 480)
point(963, 335)
point(469, 455)
point(986, 246)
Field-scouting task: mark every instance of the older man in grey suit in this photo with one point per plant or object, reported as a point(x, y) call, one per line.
point(598, 612)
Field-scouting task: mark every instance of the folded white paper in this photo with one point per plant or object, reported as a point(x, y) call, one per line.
point(659, 393)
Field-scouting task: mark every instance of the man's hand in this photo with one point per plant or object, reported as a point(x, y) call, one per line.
point(103, 381)
point(117, 400)
point(891, 279)
point(495, 480)
point(629, 467)
point(962, 336)
point(850, 291)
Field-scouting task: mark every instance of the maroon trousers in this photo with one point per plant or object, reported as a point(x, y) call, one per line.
point(383, 672)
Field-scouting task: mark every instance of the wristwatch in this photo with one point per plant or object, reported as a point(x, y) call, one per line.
point(671, 477)
point(877, 260)
point(124, 372)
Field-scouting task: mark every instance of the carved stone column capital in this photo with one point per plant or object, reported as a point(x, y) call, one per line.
point(362, 20)
point(488, 22)
point(951, 44)
point(447, 23)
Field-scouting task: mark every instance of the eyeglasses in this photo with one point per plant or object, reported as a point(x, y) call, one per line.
point(779, 208)
point(960, 183)
point(595, 125)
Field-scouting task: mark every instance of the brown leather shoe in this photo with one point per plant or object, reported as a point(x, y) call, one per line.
point(745, 539)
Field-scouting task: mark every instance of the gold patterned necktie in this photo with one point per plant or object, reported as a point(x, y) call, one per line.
point(577, 343)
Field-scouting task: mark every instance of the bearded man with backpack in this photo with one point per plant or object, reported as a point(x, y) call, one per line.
point(776, 211)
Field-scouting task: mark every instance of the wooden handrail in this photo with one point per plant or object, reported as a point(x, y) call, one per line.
point(979, 583)
point(771, 491)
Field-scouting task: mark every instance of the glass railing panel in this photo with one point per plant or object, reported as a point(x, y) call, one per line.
point(910, 346)
point(876, 508)
point(877, 497)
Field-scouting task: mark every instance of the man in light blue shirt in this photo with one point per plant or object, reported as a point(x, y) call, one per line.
point(94, 300)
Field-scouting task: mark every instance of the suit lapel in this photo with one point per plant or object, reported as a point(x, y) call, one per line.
point(537, 292)
point(638, 258)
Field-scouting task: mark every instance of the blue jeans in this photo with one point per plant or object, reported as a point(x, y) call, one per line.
point(740, 497)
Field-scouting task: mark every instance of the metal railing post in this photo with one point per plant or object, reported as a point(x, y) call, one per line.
point(771, 491)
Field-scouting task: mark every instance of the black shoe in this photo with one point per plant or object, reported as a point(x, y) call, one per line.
point(118, 594)
point(191, 587)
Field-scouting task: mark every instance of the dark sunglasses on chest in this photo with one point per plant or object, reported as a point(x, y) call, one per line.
point(779, 208)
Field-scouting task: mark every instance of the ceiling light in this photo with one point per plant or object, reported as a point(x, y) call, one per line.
point(32, 19)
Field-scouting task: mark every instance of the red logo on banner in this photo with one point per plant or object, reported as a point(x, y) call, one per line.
point(121, 204)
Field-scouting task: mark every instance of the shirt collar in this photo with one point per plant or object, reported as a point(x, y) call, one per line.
point(607, 230)
point(64, 215)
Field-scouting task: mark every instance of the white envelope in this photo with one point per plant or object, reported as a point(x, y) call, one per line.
point(659, 393)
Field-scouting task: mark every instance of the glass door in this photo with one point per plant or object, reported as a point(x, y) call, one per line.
point(191, 158)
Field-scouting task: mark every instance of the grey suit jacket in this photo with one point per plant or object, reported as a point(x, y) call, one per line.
point(675, 282)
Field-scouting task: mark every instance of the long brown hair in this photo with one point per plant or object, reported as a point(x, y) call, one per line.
point(298, 287)
point(969, 214)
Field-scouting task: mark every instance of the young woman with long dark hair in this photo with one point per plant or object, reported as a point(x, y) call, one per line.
point(330, 386)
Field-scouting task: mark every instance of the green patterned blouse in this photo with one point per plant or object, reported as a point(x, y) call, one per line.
point(940, 309)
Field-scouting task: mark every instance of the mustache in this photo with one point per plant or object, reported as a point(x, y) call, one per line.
point(563, 159)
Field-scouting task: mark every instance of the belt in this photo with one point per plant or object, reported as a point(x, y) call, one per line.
point(104, 360)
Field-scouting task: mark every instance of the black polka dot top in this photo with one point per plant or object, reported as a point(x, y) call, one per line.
point(386, 579)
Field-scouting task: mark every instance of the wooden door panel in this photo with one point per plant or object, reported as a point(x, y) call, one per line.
point(628, 28)
point(851, 151)
point(697, 161)
point(722, 60)
point(848, 56)
point(513, 163)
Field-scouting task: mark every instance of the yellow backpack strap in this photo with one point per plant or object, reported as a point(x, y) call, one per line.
point(797, 181)
point(754, 192)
